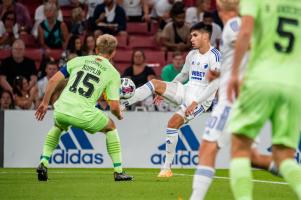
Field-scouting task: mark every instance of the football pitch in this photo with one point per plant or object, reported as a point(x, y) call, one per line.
point(98, 184)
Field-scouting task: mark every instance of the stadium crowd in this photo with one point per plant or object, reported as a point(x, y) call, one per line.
point(37, 37)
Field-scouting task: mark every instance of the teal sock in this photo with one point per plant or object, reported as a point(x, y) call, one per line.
point(52, 140)
point(291, 172)
point(114, 149)
point(241, 178)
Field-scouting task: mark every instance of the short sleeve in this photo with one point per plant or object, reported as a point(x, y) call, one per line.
point(249, 7)
point(150, 71)
point(113, 87)
point(215, 60)
point(73, 63)
point(166, 33)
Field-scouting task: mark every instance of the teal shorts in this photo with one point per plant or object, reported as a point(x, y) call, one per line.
point(258, 103)
point(92, 124)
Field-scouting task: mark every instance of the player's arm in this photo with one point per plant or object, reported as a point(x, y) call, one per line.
point(241, 47)
point(112, 92)
point(52, 84)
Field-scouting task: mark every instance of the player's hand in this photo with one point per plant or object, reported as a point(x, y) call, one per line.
point(233, 88)
point(191, 108)
point(41, 111)
point(158, 100)
point(212, 75)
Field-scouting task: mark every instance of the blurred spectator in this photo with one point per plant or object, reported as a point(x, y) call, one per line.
point(17, 65)
point(136, 10)
point(176, 34)
point(91, 6)
point(6, 100)
point(139, 72)
point(25, 97)
point(89, 45)
point(170, 71)
point(74, 47)
point(110, 18)
point(196, 14)
point(50, 70)
point(40, 15)
point(161, 11)
point(8, 30)
point(52, 33)
point(21, 13)
point(79, 24)
point(216, 30)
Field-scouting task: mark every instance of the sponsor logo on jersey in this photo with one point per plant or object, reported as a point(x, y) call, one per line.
point(186, 149)
point(75, 148)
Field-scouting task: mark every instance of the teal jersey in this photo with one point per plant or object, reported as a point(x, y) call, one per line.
point(169, 73)
point(89, 77)
point(276, 44)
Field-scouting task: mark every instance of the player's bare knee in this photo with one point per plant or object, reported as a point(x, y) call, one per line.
point(207, 153)
point(160, 86)
point(110, 126)
point(241, 146)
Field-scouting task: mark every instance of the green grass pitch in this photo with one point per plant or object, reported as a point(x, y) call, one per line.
point(98, 184)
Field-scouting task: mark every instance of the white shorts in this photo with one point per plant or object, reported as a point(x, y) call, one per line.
point(183, 95)
point(216, 126)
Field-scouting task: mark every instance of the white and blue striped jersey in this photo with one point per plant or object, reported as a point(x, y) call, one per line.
point(229, 36)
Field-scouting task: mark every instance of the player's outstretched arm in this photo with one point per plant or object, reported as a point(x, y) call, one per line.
point(115, 108)
point(52, 84)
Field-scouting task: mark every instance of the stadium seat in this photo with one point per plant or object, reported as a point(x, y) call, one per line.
point(133, 28)
point(122, 41)
point(29, 40)
point(156, 60)
point(55, 53)
point(123, 56)
point(143, 42)
point(34, 54)
point(122, 66)
point(4, 53)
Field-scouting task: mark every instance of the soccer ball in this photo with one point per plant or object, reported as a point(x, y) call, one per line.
point(127, 88)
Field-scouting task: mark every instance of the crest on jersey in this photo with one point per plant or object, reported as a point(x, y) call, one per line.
point(206, 66)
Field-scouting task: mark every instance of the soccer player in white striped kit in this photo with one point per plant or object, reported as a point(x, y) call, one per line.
point(199, 61)
point(215, 136)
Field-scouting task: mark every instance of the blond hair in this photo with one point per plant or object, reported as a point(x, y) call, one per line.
point(106, 44)
point(228, 5)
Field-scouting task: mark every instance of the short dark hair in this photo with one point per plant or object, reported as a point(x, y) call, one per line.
point(207, 15)
point(202, 27)
point(178, 8)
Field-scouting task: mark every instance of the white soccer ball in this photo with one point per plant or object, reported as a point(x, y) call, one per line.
point(127, 88)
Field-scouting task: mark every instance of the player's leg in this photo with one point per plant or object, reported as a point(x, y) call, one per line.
point(240, 167)
point(289, 169)
point(285, 137)
point(103, 123)
point(213, 139)
point(146, 90)
point(174, 123)
point(51, 142)
point(249, 114)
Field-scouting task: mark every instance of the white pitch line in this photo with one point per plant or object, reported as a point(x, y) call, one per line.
point(254, 180)
point(96, 172)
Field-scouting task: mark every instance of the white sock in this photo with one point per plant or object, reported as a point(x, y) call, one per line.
point(171, 143)
point(142, 93)
point(273, 169)
point(201, 182)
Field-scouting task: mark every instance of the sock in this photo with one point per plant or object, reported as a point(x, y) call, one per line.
point(201, 182)
point(241, 178)
point(273, 169)
point(142, 93)
point(291, 172)
point(114, 149)
point(171, 143)
point(52, 140)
